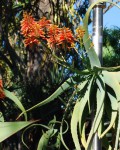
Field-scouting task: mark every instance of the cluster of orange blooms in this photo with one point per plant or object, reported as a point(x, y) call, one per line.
point(34, 31)
point(2, 94)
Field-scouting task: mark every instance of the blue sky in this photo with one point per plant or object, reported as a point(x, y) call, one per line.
point(112, 18)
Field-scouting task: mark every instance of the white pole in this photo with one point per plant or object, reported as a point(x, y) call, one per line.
point(98, 30)
point(98, 44)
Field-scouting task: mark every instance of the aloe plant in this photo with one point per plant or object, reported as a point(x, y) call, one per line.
point(96, 86)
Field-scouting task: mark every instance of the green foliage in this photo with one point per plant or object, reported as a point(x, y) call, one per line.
point(111, 47)
point(92, 89)
point(60, 90)
point(12, 97)
point(46, 139)
point(9, 128)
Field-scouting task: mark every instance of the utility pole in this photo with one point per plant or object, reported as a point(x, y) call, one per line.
point(97, 38)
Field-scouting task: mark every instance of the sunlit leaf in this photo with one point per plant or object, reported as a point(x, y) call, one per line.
point(74, 124)
point(99, 111)
point(83, 138)
point(83, 103)
point(43, 143)
point(9, 128)
point(109, 78)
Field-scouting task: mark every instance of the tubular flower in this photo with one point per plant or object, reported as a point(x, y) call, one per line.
point(53, 32)
point(27, 24)
point(80, 32)
point(65, 36)
point(44, 22)
point(37, 32)
point(31, 30)
point(30, 41)
point(2, 94)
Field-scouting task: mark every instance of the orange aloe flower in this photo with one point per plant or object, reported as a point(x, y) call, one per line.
point(27, 24)
point(37, 32)
point(30, 41)
point(31, 30)
point(43, 22)
point(65, 36)
point(2, 94)
point(53, 32)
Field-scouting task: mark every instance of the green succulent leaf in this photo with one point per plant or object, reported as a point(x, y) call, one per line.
point(99, 109)
point(83, 138)
point(74, 124)
point(58, 142)
point(83, 103)
point(114, 106)
point(100, 101)
point(76, 119)
point(27, 128)
point(43, 143)
point(9, 128)
point(14, 98)
point(109, 78)
point(117, 76)
point(60, 90)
